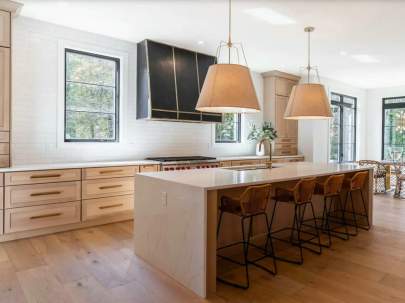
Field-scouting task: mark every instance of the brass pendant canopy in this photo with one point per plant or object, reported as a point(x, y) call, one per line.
point(308, 100)
point(228, 88)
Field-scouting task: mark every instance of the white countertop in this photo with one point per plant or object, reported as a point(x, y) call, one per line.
point(219, 178)
point(46, 166)
point(75, 165)
point(254, 157)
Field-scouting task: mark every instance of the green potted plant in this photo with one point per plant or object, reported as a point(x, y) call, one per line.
point(261, 135)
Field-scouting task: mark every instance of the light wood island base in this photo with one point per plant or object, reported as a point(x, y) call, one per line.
point(176, 216)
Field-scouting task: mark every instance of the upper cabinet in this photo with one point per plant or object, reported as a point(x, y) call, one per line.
point(4, 89)
point(4, 28)
point(277, 90)
point(169, 81)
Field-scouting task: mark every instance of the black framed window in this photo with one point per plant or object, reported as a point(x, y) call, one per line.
point(393, 124)
point(91, 97)
point(343, 128)
point(229, 131)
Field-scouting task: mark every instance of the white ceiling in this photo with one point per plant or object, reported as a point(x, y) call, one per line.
point(345, 30)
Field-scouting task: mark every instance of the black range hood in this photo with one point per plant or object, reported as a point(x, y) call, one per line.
point(169, 81)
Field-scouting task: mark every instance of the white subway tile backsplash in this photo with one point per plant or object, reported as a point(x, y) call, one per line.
point(36, 89)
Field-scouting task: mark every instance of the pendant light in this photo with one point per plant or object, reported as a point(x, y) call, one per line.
point(228, 88)
point(308, 100)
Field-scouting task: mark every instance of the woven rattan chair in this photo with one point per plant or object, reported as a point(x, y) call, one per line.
point(379, 174)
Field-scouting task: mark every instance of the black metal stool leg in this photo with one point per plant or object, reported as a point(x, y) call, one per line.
point(219, 222)
point(354, 214)
point(316, 228)
point(365, 211)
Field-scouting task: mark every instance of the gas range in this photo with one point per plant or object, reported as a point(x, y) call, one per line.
point(183, 163)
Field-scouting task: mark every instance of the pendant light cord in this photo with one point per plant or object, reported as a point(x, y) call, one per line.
point(309, 56)
point(229, 31)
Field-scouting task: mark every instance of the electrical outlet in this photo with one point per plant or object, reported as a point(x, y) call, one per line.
point(164, 199)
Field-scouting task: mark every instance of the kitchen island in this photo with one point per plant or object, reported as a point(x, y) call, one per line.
point(176, 214)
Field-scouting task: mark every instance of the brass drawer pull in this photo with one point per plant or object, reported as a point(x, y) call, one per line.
point(110, 186)
point(45, 176)
point(46, 193)
point(45, 216)
point(111, 171)
point(111, 206)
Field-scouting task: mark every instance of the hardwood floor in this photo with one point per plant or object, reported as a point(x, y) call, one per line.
point(98, 265)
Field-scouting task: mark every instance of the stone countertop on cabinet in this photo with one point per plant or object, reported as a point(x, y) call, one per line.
point(50, 166)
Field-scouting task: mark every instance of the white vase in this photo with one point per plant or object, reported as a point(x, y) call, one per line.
point(262, 151)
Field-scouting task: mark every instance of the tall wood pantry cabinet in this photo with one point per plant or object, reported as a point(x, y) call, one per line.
point(8, 9)
point(277, 90)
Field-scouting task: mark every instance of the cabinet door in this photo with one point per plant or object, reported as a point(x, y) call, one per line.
point(4, 28)
point(4, 89)
point(161, 73)
point(292, 128)
point(186, 79)
point(204, 62)
point(281, 123)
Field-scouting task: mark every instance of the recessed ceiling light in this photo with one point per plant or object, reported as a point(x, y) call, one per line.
point(62, 4)
point(343, 53)
point(270, 16)
point(200, 42)
point(364, 58)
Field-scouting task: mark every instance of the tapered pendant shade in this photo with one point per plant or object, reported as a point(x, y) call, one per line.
point(228, 88)
point(308, 101)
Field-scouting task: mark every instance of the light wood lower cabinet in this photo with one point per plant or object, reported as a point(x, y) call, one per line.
point(37, 194)
point(245, 162)
point(109, 172)
point(43, 176)
point(149, 168)
point(107, 187)
point(37, 217)
point(101, 207)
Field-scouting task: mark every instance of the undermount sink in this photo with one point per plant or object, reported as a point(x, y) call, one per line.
point(252, 167)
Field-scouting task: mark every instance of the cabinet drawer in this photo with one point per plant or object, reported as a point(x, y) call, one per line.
point(42, 176)
point(95, 208)
point(107, 187)
point(245, 162)
point(108, 172)
point(37, 194)
point(286, 140)
point(5, 28)
point(4, 160)
point(5, 137)
point(149, 168)
point(36, 217)
point(4, 149)
point(284, 86)
point(225, 163)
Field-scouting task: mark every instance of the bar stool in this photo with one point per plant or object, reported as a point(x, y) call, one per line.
point(250, 204)
point(331, 189)
point(300, 196)
point(352, 185)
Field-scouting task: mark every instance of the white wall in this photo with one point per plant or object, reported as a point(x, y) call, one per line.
point(314, 135)
point(374, 121)
point(37, 111)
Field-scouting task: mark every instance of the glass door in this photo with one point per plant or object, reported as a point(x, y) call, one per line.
point(343, 129)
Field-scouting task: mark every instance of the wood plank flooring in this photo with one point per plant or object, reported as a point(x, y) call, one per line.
point(98, 265)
